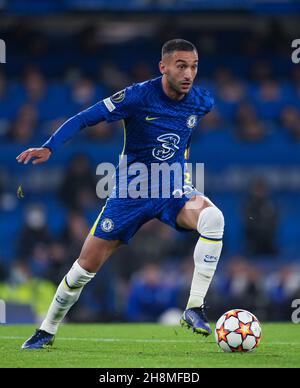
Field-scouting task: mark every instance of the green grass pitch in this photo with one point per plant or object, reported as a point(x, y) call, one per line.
point(145, 345)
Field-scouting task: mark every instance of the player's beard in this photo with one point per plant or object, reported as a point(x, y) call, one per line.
point(175, 86)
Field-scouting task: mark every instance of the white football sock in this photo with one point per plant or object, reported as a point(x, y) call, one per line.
point(207, 253)
point(66, 295)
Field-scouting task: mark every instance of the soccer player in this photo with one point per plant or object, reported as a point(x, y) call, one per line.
point(159, 117)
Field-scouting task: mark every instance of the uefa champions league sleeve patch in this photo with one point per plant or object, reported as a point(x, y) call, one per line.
point(118, 97)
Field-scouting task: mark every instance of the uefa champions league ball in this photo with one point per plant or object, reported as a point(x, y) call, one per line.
point(238, 331)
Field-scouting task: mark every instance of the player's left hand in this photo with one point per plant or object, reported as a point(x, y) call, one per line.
point(40, 155)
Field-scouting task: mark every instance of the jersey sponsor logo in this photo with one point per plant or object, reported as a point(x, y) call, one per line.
point(107, 225)
point(118, 97)
point(168, 147)
point(148, 118)
point(109, 105)
point(210, 259)
point(191, 121)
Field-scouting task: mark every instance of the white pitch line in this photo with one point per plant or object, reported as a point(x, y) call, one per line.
point(142, 340)
point(139, 340)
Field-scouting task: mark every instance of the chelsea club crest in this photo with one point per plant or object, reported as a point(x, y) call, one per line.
point(191, 121)
point(107, 225)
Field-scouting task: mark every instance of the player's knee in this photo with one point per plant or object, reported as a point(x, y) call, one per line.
point(211, 222)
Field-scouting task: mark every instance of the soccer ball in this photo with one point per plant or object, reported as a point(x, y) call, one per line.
point(238, 331)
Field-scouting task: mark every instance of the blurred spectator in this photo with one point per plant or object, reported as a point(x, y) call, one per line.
point(211, 122)
point(102, 132)
point(251, 47)
point(21, 132)
point(59, 261)
point(34, 231)
point(35, 85)
point(83, 94)
point(207, 43)
point(3, 86)
point(98, 301)
point(89, 40)
point(295, 75)
point(261, 221)
point(222, 76)
point(249, 127)
point(261, 71)
point(185, 275)
point(4, 122)
point(23, 288)
point(282, 287)
point(3, 272)
point(243, 281)
point(78, 188)
point(232, 92)
point(19, 273)
point(113, 77)
point(284, 283)
point(142, 72)
point(238, 285)
point(149, 296)
point(39, 45)
point(154, 240)
point(269, 100)
point(39, 260)
point(1, 183)
point(75, 234)
point(23, 128)
point(290, 120)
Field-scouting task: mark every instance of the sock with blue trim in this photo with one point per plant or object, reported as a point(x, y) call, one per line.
point(207, 253)
point(66, 296)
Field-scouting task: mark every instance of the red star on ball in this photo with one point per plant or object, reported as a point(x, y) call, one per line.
point(244, 330)
point(222, 333)
point(232, 313)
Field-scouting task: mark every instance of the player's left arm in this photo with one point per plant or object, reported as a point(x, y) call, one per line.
point(65, 132)
point(116, 107)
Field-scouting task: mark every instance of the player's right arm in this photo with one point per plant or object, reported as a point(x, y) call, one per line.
point(117, 107)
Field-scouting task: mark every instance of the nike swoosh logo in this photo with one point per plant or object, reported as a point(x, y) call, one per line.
point(151, 118)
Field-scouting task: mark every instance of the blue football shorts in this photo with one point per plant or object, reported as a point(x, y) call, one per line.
point(121, 218)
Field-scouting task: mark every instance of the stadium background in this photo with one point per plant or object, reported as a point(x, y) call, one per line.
point(63, 56)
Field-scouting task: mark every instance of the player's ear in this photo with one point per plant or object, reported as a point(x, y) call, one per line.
point(162, 67)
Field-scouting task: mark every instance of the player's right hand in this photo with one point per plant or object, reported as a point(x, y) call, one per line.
point(40, 155)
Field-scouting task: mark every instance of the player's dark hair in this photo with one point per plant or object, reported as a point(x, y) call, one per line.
point(177, 45)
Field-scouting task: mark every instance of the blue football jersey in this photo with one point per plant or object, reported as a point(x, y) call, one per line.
point(157, 128)
point(157, 131)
